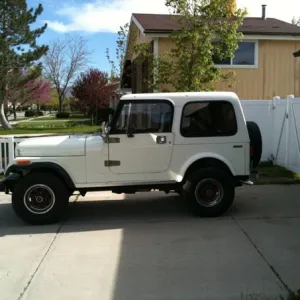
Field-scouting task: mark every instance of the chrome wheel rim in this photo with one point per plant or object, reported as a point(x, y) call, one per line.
point(209, 192)
point(39, 199)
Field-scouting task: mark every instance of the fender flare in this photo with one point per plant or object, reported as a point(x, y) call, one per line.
point(200, 156)
point(57, 169)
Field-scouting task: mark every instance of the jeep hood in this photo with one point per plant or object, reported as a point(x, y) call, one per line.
point(51, 146)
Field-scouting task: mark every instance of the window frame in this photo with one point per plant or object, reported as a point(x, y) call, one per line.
point(208, 136)
point(256, 58)
point(122, 103)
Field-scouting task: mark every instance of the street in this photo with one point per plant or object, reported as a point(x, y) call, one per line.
point(150, 247)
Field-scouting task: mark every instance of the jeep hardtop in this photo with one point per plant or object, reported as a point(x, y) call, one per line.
point(196, 144)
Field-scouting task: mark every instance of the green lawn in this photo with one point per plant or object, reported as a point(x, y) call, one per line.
point(20, 119)
point(52, 124)
point(67, 130)
point(272, 174)
point(53, 118)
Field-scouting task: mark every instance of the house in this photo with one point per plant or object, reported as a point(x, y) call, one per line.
point(264, 63)
point(114, 99)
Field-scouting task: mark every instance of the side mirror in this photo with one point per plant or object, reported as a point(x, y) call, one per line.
point(105, 128)
point(110, 119)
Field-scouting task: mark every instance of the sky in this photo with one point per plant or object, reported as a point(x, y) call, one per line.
point(99, 20)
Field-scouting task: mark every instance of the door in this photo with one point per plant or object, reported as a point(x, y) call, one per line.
point(141, 138)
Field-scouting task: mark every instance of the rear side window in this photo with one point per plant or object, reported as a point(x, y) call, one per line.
point(208, 119)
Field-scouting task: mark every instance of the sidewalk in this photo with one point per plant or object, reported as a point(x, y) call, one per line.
point(28, 120)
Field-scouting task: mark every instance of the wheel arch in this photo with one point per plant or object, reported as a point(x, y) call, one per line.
point(202, 161)
point(40, 167)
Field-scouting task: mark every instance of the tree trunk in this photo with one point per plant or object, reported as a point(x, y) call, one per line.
point(60, 103)
point(3, 119)
point(6, 111)
point(14, 112)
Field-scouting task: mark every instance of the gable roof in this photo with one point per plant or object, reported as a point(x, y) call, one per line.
point(154, 23)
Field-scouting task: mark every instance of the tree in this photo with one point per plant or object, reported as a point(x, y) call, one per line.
point(117, 69)
point(38, 92)
point(296, 21)
point(209, 29)
point(92, 91)
point(53, 103)
point(64, 60)
point(26, 87)
point(18, 47)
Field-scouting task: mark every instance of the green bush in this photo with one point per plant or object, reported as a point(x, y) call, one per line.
point(33, 113)
point(29, 113)
point(63, 115)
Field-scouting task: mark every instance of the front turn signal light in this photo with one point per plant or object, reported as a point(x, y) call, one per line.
point(23, 162)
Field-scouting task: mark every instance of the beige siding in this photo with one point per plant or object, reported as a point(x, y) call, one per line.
point(278, 72)
point(136, 37)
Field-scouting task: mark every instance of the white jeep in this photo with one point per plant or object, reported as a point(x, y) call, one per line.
point(196, 144)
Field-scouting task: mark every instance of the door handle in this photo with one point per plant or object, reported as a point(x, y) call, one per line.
point(161, 139)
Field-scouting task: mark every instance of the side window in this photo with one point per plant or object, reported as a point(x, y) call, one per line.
point(207, 119)
point(122, 121)
point(145, 117)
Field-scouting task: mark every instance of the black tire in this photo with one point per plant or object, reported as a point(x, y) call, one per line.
point(48, 202)
point(195, 184)
point(255, 143)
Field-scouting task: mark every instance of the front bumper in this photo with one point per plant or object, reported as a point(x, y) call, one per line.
point(7, 183)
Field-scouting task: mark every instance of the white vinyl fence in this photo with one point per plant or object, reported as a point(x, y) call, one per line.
point(278, 119)
point(279, 122)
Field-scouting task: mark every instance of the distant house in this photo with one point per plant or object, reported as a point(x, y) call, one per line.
point(264, 63)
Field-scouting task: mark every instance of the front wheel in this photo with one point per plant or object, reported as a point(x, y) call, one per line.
point(209, 192)
point(40, 198)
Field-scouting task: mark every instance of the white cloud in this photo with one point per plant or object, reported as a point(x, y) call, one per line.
point(100, 16)
point(107, 16)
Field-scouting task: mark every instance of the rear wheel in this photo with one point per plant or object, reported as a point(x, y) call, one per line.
point(209, 192)
point(40, 198)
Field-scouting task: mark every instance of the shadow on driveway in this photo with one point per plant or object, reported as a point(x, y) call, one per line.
point(151, 247)
point(259, 202)
point(102, 214)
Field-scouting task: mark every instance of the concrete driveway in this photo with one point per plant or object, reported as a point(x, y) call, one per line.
point(149, 247)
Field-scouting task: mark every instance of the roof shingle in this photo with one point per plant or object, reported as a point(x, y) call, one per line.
point(154, 23)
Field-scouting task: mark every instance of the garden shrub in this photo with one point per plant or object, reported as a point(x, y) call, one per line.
point(63, 115)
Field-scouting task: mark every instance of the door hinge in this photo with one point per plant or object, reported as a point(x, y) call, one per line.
point(112, 163)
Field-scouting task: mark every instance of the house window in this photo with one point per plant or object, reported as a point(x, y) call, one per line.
point(245, 56)
point(208, 119)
